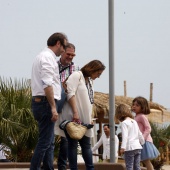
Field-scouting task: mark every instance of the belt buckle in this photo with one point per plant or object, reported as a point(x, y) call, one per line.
point(37, 99)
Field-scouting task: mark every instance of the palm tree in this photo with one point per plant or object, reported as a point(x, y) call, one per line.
point(160, 135)
point(161, 139)
point(18, 128)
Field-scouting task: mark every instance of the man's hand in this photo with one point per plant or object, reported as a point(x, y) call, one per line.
point(50, 97)
point(54, 115)
point(122, 150)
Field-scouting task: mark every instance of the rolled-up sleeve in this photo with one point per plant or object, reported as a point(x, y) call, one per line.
point(47, 71)
point(98, 144)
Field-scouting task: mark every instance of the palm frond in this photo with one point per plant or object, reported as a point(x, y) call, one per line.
point(18, 127)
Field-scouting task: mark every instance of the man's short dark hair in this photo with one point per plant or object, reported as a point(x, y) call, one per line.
point(106, 125)
point(52, 40)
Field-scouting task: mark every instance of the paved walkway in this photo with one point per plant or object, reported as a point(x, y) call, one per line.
point(165, 167)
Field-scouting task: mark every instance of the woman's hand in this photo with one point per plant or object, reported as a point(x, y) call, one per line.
point(77, 120)
point(92, 122)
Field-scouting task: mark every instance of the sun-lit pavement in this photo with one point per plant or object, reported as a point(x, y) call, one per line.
point(165, 167)
point(16, 169)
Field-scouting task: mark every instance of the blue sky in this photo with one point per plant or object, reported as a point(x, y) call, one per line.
point(142, 40)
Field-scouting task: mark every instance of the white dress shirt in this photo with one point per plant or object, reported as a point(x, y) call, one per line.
point(45, 73)
point(106, 146)
point(132, 137)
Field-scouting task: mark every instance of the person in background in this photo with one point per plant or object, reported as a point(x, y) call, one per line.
point(78, 108)
point(3, 157)
point(116, 130)
point(132, 139)
point(120, 141)
point(100, 149)
point(66, 68)
point(46, 90)
point(141, 107)
point(105, 140)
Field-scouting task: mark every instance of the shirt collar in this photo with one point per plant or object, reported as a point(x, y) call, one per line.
point(48, 49)
point(62, 66)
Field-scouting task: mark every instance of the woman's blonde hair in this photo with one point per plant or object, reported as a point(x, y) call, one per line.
point(122, 111)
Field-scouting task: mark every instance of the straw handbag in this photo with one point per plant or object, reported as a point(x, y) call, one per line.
point(75, 130)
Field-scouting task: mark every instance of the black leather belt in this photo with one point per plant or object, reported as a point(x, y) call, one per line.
point(39, 98)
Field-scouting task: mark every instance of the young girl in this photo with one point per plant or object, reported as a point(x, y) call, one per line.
point(132, 138)
point(141, 107)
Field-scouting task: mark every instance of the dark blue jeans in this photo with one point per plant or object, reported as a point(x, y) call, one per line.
point(62, 157)
point(86, 152)
point(60, 103)
point(44, 150)
point(132, 159)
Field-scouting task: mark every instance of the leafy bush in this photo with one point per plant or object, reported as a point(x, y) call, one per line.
point(18, 128)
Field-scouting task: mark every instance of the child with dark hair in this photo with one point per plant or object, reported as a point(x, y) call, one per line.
point(141, 107)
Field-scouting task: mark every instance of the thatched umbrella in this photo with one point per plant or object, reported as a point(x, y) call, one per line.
point(101, 108)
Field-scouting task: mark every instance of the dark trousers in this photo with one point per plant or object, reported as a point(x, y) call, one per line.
point(44, 150)
point(86, 152)
point(63, 154)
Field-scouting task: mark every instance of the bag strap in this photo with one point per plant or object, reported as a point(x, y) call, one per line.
point(60, 71)
point(65, 85)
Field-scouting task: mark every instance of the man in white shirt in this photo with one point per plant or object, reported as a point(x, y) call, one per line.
point(46, 90)
point(105, 140)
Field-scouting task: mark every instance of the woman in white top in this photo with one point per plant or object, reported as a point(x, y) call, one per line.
point(79, 109)
point(105, 140)
point(132, 138)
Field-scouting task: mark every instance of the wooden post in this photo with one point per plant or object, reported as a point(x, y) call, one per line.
point(167, 155)
point(100, 126)
point(125, 94)
point(151, 91)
